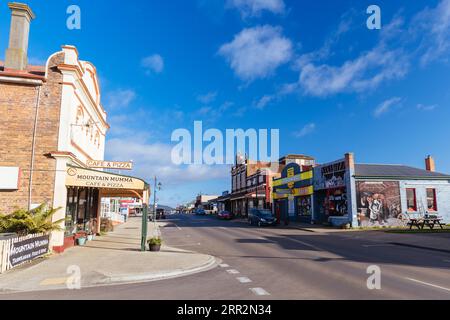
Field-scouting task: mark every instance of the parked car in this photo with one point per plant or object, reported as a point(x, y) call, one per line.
point(160, 214)
point(226, 215)
point(261, 217)
point(200, 212)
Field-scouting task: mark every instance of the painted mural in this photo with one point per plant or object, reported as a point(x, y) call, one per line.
point(379, 204)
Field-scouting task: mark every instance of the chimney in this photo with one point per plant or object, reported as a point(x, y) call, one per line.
point(16, 54)
point(429, 164)
point(350, 160)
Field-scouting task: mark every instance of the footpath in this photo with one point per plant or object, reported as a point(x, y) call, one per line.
point(111, 259)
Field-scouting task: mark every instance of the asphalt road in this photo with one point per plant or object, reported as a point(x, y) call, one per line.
point(280, 263)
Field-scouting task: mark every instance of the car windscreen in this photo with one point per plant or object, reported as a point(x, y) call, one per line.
point(265, 214)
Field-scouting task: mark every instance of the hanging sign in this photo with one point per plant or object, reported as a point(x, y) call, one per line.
point(80, 177)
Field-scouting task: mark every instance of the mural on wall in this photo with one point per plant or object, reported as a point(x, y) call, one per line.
point(379, 204)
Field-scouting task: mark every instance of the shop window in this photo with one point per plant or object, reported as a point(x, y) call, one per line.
point(411, 200)
point(304, 206)
point(431, 200)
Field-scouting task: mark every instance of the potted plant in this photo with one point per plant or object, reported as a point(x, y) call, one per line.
point(81, 241)
point(154, 244)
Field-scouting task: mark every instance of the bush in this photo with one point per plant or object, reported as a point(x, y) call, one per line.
point(24, 222)
point(156, 241)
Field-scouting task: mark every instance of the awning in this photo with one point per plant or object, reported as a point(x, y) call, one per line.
point(109, 184)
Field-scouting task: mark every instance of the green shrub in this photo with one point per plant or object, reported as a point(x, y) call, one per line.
point(156, 241)
point(24, 222)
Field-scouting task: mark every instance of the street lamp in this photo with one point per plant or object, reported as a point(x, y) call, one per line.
point(158, 186)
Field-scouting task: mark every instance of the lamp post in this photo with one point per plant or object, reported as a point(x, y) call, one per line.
point(157, 187)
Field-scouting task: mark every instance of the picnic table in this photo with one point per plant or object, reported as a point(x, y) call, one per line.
point(420, 223)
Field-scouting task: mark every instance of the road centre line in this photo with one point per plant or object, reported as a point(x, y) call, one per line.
point(260, 292)
point(428, 284)
point(233, 271)
point(244, 280)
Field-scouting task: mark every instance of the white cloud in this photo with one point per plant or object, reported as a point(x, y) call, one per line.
point(423, 107)
point(257, 52)
point(264, 101)
point(153, 64)
point(307, 129)
point(120, 98)
point(152, 159)
point(252, 8)
point(386, 106)
point(425, 38)
point(207, 98)
point(433, 25)
point(364, 73)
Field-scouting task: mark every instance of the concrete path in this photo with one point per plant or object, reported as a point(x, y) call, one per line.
point(111, 259)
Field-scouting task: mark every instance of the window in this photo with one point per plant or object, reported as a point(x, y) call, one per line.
point(411, 199)
point(431, 200)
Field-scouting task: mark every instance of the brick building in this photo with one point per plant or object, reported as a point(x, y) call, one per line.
point(252, 182)
point(52, 123)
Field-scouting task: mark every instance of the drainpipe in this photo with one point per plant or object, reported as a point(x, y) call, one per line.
point(33, 146)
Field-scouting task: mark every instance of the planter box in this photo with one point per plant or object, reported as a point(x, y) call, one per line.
point(155, 247)
point(81, 241)
point(69, 242)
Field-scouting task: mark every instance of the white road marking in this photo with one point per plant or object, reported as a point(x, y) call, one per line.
point(429, 284)
point(306, 244)
point(233, 271)
point(260, 292)
point(244, 280)
point(224, 265)
point(223, 228)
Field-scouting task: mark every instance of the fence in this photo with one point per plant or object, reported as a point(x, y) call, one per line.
point(18, 250)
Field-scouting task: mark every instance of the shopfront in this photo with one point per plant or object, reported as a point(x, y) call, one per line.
point(331, 189)
point(85, 189)
point(293, 195)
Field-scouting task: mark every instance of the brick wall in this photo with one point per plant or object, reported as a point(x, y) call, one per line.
point(17, 110)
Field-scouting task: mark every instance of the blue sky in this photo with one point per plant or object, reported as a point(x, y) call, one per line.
point(309, 68)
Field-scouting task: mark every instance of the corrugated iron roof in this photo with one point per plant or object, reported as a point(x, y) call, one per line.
point(386, 170)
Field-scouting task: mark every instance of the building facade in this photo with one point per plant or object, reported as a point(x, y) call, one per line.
point(366, 195)
point(252, 182)
point(52, 125)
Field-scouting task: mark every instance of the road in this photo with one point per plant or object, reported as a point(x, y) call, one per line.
point(281, 263)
